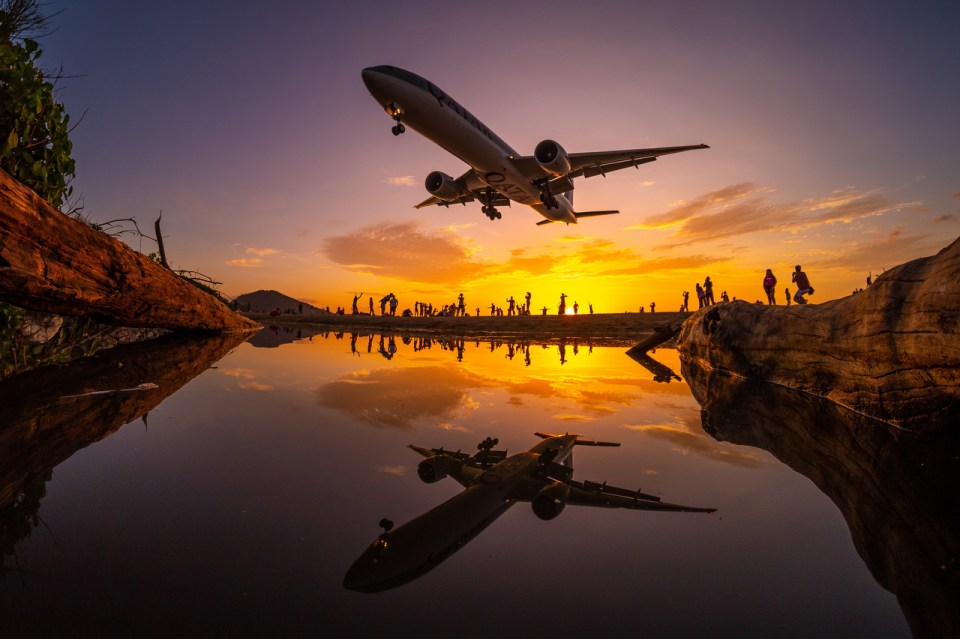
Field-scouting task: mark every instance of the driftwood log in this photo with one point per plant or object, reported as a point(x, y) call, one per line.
point(52, 263)
point(891, 351)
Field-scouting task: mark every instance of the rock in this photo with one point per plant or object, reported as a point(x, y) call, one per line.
point(891, 351)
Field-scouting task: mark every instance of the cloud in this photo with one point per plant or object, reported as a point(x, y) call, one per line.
point(404, 251)
point(398, 471)
point(943, 218)
point(242, 261)
point(747, 208)
point(402, 180)
point(261, 252)
point(257, 260)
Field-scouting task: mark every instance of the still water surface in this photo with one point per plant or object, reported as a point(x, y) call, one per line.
point(239, 503)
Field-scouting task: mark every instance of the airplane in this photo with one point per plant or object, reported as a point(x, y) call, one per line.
point(492, 483)
point(497, 174)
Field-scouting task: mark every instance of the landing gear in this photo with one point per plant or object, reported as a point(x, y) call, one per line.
point(488, 208)
point(491, 212)
point(394, 110)
point(548, 199)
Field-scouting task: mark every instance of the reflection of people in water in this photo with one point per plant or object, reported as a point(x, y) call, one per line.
point(563, 351)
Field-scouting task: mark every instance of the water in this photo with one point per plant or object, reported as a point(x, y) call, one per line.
point(238, 504)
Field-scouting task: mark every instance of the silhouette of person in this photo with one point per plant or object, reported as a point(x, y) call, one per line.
point(461, 305)
point(383, 303)
point(576, 308)
point(394, 302)
point(355, 310)
point(527, 297)
point(562, 309)
point(653, 307)
point(591, 307)
point(512, 304)
point(708, 292)
point(700, 296)
point(686, 301)
point(770, 286)
point(803, 286)
point(786, 292)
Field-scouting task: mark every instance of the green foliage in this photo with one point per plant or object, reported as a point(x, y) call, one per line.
point(34, 127)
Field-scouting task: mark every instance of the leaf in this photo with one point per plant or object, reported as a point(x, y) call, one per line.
point(12, 140)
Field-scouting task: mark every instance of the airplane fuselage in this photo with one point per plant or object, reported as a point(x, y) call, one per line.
point(442, 120)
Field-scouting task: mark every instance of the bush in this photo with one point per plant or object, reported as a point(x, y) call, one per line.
point(33, 125)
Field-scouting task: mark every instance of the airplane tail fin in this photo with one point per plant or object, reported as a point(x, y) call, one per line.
point(583, 214)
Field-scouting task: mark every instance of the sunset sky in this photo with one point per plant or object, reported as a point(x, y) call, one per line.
point(835, 142)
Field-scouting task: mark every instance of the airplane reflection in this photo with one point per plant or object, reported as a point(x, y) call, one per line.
point(492, 483)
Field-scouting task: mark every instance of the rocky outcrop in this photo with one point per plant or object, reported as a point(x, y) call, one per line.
point(896, 490)
point(891, 351)
point(52, 263)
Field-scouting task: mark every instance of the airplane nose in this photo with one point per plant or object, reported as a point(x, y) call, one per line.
point(372, 78)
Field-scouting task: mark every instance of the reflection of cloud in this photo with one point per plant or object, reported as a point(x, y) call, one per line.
point(399, 471)
point(402, 180)
point(686, 441)
point(401, 397)
point(454, 427)
point(573, 418)
point(403, 251)
point(748, 208)
point(247, 378)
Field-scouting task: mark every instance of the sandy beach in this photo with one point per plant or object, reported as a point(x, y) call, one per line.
point(620, 329)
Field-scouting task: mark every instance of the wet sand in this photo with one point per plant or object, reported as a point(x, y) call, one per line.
point(615, 329)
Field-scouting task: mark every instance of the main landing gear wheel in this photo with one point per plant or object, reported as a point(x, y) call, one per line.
point(491, 212)
point(398, 129)
point(547, 197)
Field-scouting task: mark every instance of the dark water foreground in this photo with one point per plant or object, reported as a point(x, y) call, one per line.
point(199, 487)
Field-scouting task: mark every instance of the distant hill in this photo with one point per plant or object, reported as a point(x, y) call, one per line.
point(266, 301)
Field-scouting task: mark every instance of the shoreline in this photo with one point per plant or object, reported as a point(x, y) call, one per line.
point(615, 329)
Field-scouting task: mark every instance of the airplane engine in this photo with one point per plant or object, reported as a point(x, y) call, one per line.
point(433, 469)
point(552, 158)
point(550, 501)
point(443, 186)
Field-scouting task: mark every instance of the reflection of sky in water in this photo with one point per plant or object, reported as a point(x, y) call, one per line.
point(257, 484)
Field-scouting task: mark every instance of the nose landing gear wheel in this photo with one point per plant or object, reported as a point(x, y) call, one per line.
point(398, 129)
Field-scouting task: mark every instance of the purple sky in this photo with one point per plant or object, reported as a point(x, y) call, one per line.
point(833, 127)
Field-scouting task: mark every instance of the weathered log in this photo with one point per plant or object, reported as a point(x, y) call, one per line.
point(896, 491)
point(891, 351)
point(52, 263)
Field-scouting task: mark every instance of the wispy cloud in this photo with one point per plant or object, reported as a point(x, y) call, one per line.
point(401, 180)
point(748, 208)
point(404, 251)
point(257, 259)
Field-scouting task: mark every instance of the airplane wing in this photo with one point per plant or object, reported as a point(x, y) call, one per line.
point(603, 496)
point(598, 163)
